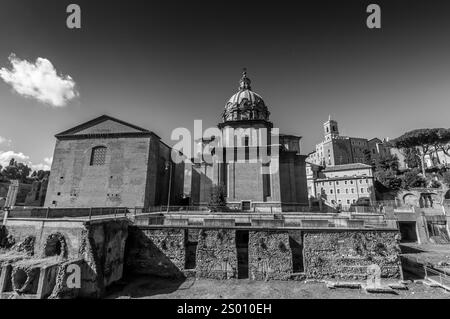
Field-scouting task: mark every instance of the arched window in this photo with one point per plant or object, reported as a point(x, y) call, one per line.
point(98, 155)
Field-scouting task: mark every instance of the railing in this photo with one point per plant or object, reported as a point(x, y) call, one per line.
point(53, 212)
point(262, 220)
point(191, 216)
point(438, 277)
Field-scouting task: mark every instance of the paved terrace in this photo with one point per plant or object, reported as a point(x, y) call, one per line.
point(198, 217)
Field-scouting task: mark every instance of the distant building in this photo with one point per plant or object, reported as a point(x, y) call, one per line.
point(437, 158)
point(19, 199)
point(36, 196)
point(378, 149)
point(107, 162)
point(345, 185)
point(338, 150)
point(312, 173)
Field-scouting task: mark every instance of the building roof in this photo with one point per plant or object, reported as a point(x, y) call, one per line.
point(124, 128)
point(346, 167)
point(343, 178)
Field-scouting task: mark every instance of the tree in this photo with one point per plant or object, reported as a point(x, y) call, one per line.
point(40, 175)
point(389, 162)
point(389, 179)
point(412, 157)
point(17, 171)
point(217, 200)
point(423, 140)
point(443, 141)
point(413, 178)
point(446, 178)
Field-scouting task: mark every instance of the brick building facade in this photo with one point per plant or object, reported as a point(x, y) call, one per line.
point(345, 185)
point(107, 162)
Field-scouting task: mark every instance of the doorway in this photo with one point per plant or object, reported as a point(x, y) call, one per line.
point(191, 241)
point(408, 232)
point(242, 253)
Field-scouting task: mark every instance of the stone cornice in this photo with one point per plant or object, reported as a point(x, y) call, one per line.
point(105, 135)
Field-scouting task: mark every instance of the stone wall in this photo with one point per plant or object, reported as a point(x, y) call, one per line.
point(346, 254)
point(107, 248)
point(121, 181)
point(158, 252)
point(272, 254)
point(269, 255)
point(98, 246)
point(216, 254)
point(72, 231)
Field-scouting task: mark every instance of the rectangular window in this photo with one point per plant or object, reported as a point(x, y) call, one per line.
point(266, 181)
point(246, 140)
point(98, 156)
point(245, 205)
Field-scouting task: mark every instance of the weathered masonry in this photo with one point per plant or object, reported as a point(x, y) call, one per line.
point(38, 256)
point(107, 162)
point(261, 253)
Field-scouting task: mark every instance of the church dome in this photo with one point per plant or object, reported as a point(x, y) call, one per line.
point(245, 104)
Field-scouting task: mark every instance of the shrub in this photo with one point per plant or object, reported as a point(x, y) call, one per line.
point(217, 200)
point(435, 184)
point(413, 178)
point(389, 179)
point(446, 178)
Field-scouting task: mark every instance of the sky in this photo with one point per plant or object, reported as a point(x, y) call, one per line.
point(163, 64)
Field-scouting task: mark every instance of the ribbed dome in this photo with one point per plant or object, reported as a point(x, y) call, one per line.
point(245, 104)
point(248, 95)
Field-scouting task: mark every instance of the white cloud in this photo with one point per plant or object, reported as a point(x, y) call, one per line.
point(5, 157)
point(40, 166)
point(46, 166)
point(48, 160)
point(39, 80)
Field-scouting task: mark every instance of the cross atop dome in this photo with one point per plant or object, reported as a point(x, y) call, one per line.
point(244, 82)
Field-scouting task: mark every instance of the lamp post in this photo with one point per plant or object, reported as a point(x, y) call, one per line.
point(169, 167)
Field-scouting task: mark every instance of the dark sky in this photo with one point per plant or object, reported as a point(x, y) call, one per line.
point(163, 64)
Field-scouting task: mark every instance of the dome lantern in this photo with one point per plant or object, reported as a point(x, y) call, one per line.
point(244, 82)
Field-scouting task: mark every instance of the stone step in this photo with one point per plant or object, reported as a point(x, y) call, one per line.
point(398, 286)
point(348, 285)
point(381, 290)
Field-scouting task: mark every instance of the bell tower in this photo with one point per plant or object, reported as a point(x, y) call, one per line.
point(330, 129)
